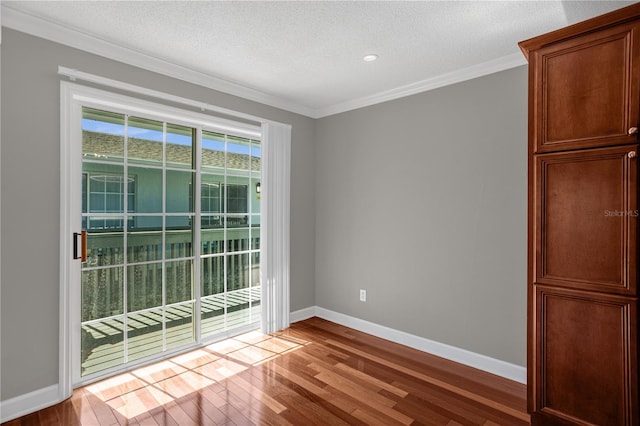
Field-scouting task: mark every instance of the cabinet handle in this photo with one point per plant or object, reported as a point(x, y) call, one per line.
point(632, 131)
point(631, 154)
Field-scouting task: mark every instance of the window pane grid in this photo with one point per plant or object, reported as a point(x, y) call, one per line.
point(227, 236)
point(162, 286)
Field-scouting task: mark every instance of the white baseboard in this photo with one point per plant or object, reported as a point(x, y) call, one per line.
point(303, 314)
point(28, 403)
point(481, 362)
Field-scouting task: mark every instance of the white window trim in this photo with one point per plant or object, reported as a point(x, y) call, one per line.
point(276, 194)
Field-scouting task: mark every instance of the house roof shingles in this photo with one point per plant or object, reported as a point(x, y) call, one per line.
point(104, 145)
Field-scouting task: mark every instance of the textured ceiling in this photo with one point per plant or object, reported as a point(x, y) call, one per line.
point(307, 56)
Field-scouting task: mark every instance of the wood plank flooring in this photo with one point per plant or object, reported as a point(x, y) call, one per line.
point(314, 373)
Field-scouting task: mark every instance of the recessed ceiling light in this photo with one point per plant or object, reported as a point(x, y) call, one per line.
point(370, 57)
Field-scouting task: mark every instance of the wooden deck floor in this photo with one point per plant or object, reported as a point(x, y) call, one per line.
point(145, 330)
point(314, 373)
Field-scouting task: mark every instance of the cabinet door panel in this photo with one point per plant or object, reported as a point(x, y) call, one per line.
point(586, 92)
point(585, 220)
point(586, 357)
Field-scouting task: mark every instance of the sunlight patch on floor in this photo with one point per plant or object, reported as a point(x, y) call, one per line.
point(139, 391)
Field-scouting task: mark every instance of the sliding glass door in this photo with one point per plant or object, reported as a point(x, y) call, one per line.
point(172, 216)
point(230, 232)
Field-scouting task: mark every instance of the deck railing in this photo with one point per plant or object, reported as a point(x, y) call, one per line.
point(104, 272)
point(225, 302)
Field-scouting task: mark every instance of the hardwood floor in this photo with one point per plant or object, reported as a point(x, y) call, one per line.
point(314, 373)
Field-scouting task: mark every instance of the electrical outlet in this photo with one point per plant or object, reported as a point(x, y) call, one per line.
point(363, 295)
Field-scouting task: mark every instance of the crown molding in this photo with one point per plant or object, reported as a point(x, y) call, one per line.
point(457, 76)
point(49, 30)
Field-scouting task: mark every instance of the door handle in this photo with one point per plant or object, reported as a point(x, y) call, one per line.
point(83, 246)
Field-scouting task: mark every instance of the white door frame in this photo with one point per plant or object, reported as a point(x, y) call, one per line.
point(72, 98)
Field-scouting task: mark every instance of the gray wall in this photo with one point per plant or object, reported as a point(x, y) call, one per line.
point(422, 202)
point(30, 190)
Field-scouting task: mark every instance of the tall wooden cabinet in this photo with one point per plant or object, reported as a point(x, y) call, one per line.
point(584, 114)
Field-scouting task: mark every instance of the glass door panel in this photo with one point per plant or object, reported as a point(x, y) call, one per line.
point(144, 334)
point(144, 286)
point(230, 232)
point(180, 146)
point(180, 330)
point(145, 141)
point(102, 345)
point(148, 189)
point(102, 135)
